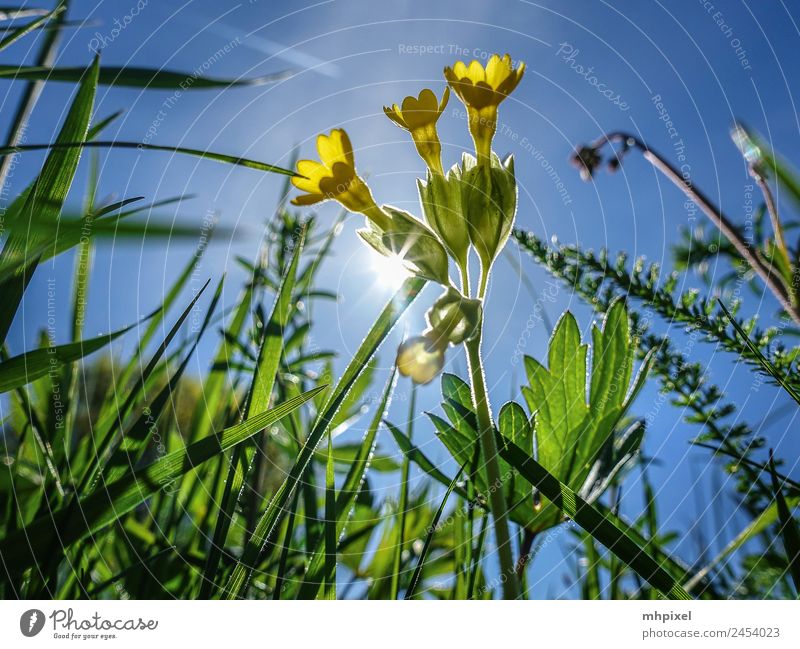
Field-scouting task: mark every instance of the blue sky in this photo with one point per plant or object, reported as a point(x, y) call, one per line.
point(700, 65)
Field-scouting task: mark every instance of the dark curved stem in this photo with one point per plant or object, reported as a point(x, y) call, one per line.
point(715, 215)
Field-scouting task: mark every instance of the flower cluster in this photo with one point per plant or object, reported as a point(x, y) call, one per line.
point(471, 206)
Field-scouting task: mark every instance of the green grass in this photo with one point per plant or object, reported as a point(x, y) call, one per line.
point(130, 476)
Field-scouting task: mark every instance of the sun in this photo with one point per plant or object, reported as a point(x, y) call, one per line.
point(389, 271)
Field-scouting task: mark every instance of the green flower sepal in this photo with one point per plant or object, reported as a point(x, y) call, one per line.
point(489, 203)
point(440, 198)
point(408, 238)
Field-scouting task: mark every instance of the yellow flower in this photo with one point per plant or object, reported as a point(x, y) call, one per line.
point(422, 357)
point(418, 115)
point(482, 89)
point(335, 177)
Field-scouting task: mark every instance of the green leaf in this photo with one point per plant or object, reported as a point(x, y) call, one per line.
point(557, 398)
point(133, 77)
point(674, 566)
point(385, 322)
point(64, 527)
point(570, 434)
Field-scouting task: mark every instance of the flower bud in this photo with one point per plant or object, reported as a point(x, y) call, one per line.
point(421, 358)
point(453, 317)
point(412, 241)
point(489, 203)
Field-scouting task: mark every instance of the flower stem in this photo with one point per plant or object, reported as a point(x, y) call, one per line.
point(497, 504)
point(463, 270)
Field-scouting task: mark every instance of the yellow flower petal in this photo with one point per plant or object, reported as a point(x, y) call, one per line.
point(335, 148)
point(475, 72)
point(394, 113)
point(313, 172)
point(497, 70)
point(307, 199)
point(445, 99)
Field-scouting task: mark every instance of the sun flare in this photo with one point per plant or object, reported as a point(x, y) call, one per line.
point(389, 271)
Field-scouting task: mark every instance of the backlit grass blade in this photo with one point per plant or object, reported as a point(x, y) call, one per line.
point(19, 32)
point(24, 548)
point(48, 193)
point(331, 536)
point(160, 313)
point(791, 486)
point(280, 577)
point(767, 365)
point(415, 578)
point(269, 358)
point(403, 500)
point(30, 366)
point(77, 144)
point(788, 529)
point(385, 322)
point(134, 77)
point(601, 525)
point(208, 410)
point(136, 438)
point(756, 526)
point(29, 97)
point(106, 436)
point(56, 238)
point(349, 491)
point(17, 13)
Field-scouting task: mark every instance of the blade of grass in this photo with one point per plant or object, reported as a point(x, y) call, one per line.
point(33, 89)
point(476, 558)
point(269, 358)
point(134, 441)
point(287, 544)
point(602, 526)
point(30, 366)
point(142, 146)
point(134, 77)
point(19, 32)
point(403, 500)
point(48, 193)
point(331, 537)
point(385, 322)
point(767, 365)
point(349, 491)
point(106, 438)
point(23, 548)
point(789, 531)
point(790, 485)
point(415, 578)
